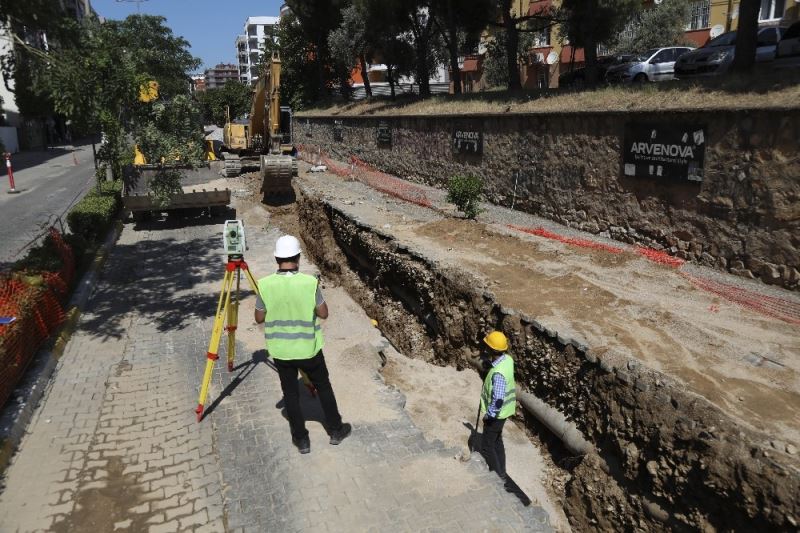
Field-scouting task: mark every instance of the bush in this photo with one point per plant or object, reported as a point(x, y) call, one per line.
point(93, 215)
point(465, 192)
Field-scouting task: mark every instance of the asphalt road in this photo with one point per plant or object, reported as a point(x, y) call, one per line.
point(49, 183)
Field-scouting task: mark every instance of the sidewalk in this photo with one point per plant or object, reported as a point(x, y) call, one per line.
point(115, 443)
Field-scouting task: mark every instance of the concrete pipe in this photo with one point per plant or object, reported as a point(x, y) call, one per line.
point(556, 422)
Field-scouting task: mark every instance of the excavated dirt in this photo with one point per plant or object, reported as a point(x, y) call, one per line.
point(629, 371)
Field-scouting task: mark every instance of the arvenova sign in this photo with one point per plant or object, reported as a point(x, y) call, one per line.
point(664, 151)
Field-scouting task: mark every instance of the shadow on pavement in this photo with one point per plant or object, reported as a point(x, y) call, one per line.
point(245, 369)
point(32, 158)
point(155, 280)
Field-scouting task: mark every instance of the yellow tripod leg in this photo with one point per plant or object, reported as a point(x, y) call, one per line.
point(233, 321)
point(213, 345)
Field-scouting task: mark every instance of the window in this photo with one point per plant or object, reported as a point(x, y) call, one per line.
point(771, 9)
point(541, 38)
point(698, 17)
point(664, 56)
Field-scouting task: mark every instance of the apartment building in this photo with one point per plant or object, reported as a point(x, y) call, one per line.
point(221, 74)
point(550, 57)
point(250, 46)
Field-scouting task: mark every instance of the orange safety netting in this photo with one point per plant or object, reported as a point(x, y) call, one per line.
point(575, 241)
point(367, 175)
point(771, 306)
point(38, 310)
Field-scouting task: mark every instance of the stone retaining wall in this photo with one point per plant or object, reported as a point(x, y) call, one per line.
point(744, 217)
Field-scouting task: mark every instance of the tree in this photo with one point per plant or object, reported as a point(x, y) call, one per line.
point(458, 22)
point(744, 56)
point(299, 72)
point(660, 25)
point(97, 81)
point(317, 19)
point(588, 23)
point(169, 133)
point(416, 14)
point(349, 42)
point(234, 97)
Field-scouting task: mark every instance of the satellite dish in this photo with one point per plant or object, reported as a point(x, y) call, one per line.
point(552, 57)
point(539, 57)
point(717, 30)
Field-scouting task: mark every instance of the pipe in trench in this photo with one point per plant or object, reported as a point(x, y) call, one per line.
point(556, 422)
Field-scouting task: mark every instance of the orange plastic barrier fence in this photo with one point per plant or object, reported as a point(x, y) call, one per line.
point(367, 175)
point(38, 311)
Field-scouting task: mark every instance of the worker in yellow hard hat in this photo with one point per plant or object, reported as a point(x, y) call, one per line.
point(498, 399)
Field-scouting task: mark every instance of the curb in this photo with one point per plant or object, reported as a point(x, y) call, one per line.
point(16, 417)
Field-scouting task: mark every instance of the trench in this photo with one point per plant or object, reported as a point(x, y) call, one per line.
point(663, 459)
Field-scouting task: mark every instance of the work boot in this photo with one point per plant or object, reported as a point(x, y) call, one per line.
point(303, 445)
point(339, 435)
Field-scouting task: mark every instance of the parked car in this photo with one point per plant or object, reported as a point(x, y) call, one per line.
point(576, 79)
point(654, 65)
point(787, 54)
point(716, 56)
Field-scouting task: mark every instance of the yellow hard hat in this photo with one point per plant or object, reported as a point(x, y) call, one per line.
point(496, 341)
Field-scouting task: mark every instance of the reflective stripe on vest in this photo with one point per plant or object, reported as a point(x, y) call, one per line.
point(506, 369)
point(292, 330)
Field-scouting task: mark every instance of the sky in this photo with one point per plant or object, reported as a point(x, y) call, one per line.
point(210, 26)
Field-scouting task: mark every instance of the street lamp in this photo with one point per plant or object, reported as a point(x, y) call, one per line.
point(138, 3)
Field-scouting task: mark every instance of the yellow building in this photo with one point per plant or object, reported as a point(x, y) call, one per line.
point(549, 57)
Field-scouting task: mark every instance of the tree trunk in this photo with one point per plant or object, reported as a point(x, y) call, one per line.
point(365, 76)
point(512, 44)
point(452, 47)
point(746, 36)
point(590, 55)
point(390, 78)
point(423, 71)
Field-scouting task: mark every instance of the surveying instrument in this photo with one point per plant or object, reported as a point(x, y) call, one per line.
point(234, 245)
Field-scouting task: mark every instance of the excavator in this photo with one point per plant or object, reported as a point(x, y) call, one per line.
point(264, 140)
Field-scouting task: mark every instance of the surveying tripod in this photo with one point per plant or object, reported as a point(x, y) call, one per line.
point(228, 311)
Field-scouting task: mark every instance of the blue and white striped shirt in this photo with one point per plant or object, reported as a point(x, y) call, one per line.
point(498, 390)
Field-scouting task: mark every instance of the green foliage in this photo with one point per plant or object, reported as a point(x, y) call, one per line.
point(348, 42)
point(169, 132)
point(164, 184)
point(42, 258)
point(465, 193)
point(591, 22)
point(92, 217)
point(660, 25)
point(234, 95)
point(299, 77)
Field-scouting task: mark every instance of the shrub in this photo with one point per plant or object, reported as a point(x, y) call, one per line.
point(93, 215)
point(465, 193)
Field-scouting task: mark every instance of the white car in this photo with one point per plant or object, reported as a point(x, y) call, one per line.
point(654, 65)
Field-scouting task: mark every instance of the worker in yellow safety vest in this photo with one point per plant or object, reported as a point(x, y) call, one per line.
point(290, 304)
point(498, 399)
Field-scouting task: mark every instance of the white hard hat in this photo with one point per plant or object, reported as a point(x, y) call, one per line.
point(287, 246)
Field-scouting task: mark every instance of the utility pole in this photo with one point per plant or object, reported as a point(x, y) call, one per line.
point(138, 4)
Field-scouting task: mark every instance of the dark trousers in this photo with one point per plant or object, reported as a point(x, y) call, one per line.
point(492, 446)
point(317, 372)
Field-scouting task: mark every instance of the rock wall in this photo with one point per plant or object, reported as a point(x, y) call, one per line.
point(665, 459)
point(744, 217)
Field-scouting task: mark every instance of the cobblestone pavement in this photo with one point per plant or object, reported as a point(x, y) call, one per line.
point(115, 445)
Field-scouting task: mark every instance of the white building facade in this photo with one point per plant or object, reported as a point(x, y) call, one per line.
point(250, 46)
